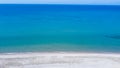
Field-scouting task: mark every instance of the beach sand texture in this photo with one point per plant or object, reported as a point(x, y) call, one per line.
point(59, 60)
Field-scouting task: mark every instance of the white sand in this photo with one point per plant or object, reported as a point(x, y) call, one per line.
point(59, 60)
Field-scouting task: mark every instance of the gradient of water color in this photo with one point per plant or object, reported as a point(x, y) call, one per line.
point(44, 28)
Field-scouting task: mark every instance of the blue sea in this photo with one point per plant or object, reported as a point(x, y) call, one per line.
point(59, 28)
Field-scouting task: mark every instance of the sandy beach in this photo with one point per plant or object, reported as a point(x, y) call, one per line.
point(59, 60)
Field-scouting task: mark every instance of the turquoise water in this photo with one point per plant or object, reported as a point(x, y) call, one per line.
point(45, 28)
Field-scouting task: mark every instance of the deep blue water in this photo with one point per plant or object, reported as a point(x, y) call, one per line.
point(43, 28)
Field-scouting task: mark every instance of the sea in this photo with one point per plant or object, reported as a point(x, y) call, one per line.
point(59, 28)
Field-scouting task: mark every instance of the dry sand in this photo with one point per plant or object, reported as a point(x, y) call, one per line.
point(59, 60)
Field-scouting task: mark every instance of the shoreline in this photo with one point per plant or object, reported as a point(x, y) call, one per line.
point(59, 60)
point(57, 54)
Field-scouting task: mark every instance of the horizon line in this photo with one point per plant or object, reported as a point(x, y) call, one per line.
point(56, 4)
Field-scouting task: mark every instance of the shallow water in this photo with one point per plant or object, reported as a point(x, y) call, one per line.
point(39, 28)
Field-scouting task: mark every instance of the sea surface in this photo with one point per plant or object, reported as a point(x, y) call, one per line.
point(57, 28)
